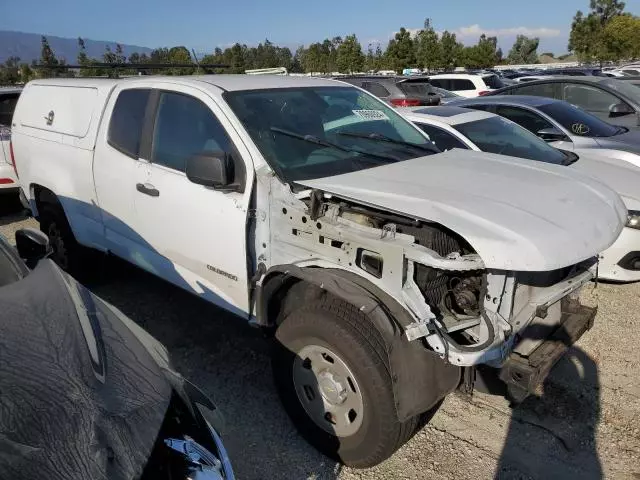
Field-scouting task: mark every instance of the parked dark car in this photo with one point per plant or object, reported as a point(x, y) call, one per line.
point(85, 393)
point(564, 125)
point(610, 99)
point(398, 91)
point(573, 72)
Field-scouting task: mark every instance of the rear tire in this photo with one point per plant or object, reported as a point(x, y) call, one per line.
point(67, 253)
point(352, 419)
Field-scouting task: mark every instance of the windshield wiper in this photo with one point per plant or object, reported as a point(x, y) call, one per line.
point(324, 143)
point(377, 137)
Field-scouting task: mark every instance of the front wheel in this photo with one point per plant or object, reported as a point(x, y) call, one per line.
point(333, 377)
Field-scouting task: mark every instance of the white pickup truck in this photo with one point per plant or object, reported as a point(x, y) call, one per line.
point(387, 270)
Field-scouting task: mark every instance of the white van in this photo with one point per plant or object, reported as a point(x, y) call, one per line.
point(387, 270)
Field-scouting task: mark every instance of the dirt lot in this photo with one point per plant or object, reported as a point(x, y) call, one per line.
point(587, 424)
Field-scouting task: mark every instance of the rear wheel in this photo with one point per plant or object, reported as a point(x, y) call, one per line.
point(332, 374)
point(66, 251)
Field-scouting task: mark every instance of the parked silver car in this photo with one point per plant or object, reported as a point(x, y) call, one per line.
point(563, 125)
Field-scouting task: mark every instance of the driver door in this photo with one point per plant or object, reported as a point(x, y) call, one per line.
point(198, 235)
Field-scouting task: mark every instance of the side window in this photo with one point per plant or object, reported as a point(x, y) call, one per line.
point(376, 89)
point(461, 84)
point(439, 82)
point(589, 98)
point(184, 127)
point(541, 90)
point(127, 119)
point(7, 106)
point(443, 140)
point(529, 120)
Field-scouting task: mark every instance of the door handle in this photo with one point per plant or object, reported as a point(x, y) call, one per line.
point(147, 189)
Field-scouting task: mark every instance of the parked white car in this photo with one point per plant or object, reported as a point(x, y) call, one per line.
point(455, 127)
point(309, 207)
point(467, 85)
point(8, 99)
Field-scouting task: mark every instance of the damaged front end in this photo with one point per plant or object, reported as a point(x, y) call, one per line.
point(461, 310)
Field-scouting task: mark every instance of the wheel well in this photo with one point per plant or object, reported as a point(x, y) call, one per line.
point(286, 293)
point(421, 378)
point(43, 196)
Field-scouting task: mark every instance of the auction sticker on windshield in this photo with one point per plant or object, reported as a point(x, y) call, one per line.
point(371, 114)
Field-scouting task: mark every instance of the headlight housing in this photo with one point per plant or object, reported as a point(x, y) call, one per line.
point(633, 219)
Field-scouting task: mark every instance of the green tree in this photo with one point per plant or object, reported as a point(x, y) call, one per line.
point(428, 47)
point(180, 55)
point(349, 56)
point(400, 52)
point(586, 39)
point(48, 60)
point(621, 37)
point(524, 51)
point(451, 50)
point(487, 53)
point(85, 61)
point(10, 72)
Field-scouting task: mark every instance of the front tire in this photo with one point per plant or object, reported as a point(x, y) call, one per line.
point(333, 376)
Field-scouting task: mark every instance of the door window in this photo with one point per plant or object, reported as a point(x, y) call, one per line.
point(541, 90)
point(441, 83)
point(529, 120)
point(127, 119)
point(443, 140)
point(462, 85)
point(7, 106)
point(185, 127)
point(589, 98)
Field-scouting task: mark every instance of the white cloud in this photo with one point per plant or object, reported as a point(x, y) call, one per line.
point(476, 30)
point(473, 32)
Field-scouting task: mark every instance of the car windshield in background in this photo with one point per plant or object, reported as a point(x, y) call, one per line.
point(493, 81)
point(499, 135)
point(579, 122)
point(315, 132)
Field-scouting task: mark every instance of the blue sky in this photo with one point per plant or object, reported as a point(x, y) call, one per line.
point(203, 25)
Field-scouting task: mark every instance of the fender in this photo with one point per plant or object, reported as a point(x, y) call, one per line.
point(420, 377)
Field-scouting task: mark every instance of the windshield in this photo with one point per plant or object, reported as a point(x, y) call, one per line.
point(499, 135)
point(315, 132)
point(579, 122)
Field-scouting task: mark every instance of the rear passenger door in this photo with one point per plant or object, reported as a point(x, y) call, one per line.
point(197, 234)
point(119, 164)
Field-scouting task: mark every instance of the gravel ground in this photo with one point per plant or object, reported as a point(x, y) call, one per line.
point(586, 425)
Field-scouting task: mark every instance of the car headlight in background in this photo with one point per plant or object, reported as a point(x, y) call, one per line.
point(633, 219)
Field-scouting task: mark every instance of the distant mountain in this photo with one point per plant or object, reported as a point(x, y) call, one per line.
point(27, 47)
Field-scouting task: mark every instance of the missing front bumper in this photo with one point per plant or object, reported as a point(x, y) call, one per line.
point(527, 373)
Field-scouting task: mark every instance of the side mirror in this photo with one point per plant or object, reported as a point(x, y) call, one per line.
point(211, 169)
point(620, 110)
point(551, 134)
point(32, 246)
